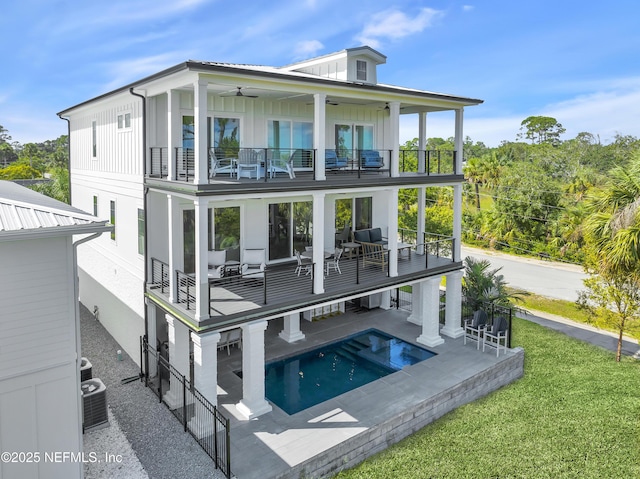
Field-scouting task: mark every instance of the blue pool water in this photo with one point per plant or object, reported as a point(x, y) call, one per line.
point(310, 378)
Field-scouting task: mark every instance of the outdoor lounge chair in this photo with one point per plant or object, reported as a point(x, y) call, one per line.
point(304, 264)
point(217, 259)
point(475, 327)
point(497, 335)
point(230, 338)
point(332, 162)
point(371, 159)
point(253, 263)
point(221, 165)
point(248, 164)
point(278, 165)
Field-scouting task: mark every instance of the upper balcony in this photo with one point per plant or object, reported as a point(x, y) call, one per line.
point(235, 167)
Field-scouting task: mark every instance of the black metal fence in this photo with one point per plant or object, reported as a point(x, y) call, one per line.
point(197, 415)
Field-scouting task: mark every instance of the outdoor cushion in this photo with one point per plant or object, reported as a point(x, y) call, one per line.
point(362, 236)
point(375, 235)
point(370, 159)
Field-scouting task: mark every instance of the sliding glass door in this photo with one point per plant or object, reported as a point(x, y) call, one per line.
point(290, 228)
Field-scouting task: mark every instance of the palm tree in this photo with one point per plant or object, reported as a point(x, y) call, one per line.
point(614, 223)
point(482, 285)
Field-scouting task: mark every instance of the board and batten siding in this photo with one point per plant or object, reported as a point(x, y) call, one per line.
point(37, 308)
point(117, 151)
point(39, 395)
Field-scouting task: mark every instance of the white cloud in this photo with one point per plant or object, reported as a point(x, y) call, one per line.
point(127, 71)
point(467, 8)
point(307, 49)
point(394, 24)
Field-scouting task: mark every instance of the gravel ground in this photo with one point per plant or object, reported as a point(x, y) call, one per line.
point(152, 440)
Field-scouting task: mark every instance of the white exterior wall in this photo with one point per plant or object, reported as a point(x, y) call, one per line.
point(111, 271)
point(39, 378)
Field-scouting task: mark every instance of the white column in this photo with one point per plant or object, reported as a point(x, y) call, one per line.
point(291, 332)
point(392, 221)
point(205, 365)
point(459, 141)
point(318, 242)
point(202, 278)
point(430, 313)
point(201, 157)
point(175, 245)
point(152, 338)
point(319, 129)
point(178, 358)
point(416, 304)
point(385, 299)
point(394, 137)
point(457, 222)
point(253, 402)
point(453, 314)
point(422, 199)
point(174, 135)
point(422, 141)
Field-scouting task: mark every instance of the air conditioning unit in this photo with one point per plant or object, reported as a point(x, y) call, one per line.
point(94, 400)
point(85, 369)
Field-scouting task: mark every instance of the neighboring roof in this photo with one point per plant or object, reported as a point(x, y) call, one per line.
point(24, 212)
point(277, 72)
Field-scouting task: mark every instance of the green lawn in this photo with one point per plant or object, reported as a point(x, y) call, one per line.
point(574, 414)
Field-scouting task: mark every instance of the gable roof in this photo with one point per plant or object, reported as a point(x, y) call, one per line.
point(27, 213)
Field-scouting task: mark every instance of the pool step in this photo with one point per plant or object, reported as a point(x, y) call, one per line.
point(348, 355)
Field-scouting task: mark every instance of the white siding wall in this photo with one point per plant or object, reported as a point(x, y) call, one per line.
point(38, 367)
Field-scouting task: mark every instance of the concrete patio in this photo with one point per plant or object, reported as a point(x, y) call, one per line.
point(343, 431)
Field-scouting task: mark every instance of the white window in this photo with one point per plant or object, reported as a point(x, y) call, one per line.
point(124, 121)
point(94, 140)
point(361, 70)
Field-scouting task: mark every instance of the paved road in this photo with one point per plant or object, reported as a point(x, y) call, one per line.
point(547, 278)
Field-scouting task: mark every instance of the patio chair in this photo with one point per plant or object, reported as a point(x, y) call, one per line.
point(333, 162)
point(230, 338)
point(304, 264)
point(334, 263)
point(253, 263)
point(343, 236)
point(248, 164)
point(371, 159)
point(497, 335)
point(278, 165)
point(216, 259)
point(475, 327)
point(221, 165)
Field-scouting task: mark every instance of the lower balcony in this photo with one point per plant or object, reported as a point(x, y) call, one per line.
point(236, 298)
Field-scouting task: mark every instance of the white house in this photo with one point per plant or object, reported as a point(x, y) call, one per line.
point(215, 174)
point(40, 409)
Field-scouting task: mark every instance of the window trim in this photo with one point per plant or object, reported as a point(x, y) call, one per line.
point(112, 218)
point(360, 72)
point(94, 139)
point(121, 121)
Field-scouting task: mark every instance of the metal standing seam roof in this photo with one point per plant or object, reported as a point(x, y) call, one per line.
point(22, 209)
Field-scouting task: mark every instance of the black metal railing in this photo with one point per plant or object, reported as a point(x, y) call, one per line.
point(184, 164)
point(159, 275)
point(493, 311)
point(358, 161)
point(186, 289)
point(429, 162)
point(208, 426)
point(159, 157)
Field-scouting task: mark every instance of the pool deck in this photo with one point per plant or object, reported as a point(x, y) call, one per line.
point(343, 431)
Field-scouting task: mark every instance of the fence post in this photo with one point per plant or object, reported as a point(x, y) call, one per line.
point(215, 436)
point(184, 403)
point(228, 446)
point(159, 377)
point(510, 328)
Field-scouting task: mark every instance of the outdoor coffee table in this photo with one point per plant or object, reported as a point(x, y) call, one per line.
point(352, 247)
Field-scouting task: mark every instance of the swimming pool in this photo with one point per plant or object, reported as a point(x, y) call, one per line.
point(302, 381)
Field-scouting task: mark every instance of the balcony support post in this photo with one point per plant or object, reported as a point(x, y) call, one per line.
point(253, 402)
point(318, 242)
point(291, 332)
point(422, 200)
point(392, 204)
point(201, 246)
point(453, 313)
point(422, 141)
point(430, 312)
point(319, 129)
point(200, 156)
point(394, 138)
point(175, 248)
point(178, 336)
point(174, 135)
point(457, 222)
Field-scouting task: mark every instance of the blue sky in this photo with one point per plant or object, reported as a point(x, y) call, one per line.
point(574, 60)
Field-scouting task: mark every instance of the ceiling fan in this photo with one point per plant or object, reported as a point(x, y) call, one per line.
point(239, 93)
